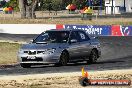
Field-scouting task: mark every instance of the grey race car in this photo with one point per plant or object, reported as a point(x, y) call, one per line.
point(60, 47)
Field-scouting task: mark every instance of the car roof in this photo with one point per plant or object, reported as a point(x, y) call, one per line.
point(65, 30)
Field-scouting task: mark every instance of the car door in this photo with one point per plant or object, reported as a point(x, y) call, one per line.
point(74, 48)
point(84, 43)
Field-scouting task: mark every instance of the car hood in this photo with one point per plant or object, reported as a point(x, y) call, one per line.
point(34, 46)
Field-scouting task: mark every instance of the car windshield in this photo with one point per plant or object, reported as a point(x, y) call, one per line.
point(52, 37)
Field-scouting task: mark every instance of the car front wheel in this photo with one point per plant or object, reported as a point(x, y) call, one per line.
point(63, 58)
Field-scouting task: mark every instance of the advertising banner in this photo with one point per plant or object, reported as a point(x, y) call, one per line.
point(126, 30)
point(102, 30)
point(118, 30)
point(97, 30)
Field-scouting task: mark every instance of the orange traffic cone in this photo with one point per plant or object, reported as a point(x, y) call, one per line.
point(86, 74)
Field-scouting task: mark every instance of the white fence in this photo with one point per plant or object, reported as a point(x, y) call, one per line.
point(25, 28)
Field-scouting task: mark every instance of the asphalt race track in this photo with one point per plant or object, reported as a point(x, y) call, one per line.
point(116, 54)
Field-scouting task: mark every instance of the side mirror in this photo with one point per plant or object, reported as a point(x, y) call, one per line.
point(73, 41)
point(94, 37)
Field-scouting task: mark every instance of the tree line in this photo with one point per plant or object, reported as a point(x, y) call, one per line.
point(28, 7)
point(53, 4)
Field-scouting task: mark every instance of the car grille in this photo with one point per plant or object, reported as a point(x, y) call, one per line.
point(36, 59)
point(38, 52)
point(33, 52)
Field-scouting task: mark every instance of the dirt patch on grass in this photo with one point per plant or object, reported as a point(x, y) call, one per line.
point(62, 80)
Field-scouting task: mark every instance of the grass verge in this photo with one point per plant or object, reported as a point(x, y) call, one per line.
point(8, 52)
point(104, 21)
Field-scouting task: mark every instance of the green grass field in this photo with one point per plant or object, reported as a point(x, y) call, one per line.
point(8, 52)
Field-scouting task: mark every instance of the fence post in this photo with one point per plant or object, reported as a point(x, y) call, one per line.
point(96, 17)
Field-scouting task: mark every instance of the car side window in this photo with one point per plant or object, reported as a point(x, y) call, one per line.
point(83, 36)
point(74, 35)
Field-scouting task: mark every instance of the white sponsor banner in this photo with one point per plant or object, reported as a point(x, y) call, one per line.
point(25, 28)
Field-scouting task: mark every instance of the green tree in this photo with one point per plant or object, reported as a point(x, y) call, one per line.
point(79, 3)
point(65, 3)
point(28, 7)
point(74, 1)
point(51, 4)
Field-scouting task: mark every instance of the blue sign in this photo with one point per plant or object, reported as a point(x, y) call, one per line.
point(92, 29)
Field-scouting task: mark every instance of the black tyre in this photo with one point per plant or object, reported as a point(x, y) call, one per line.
point(93, 57)
point(25, 65)
point(64, 58)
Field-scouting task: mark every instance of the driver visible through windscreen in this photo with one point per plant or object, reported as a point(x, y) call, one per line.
point(53, 37)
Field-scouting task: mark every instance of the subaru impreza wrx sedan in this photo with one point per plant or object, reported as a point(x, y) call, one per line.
point(60, 47)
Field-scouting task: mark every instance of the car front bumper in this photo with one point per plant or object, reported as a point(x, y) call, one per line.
point(38, 59)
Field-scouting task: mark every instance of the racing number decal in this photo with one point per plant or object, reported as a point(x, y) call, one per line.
point(82, 36)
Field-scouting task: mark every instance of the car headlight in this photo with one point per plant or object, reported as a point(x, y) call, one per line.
point(49, 51)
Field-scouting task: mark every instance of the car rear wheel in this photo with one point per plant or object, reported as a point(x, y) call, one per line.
point(93, 57)
point(63, 59)
point(25, 65)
